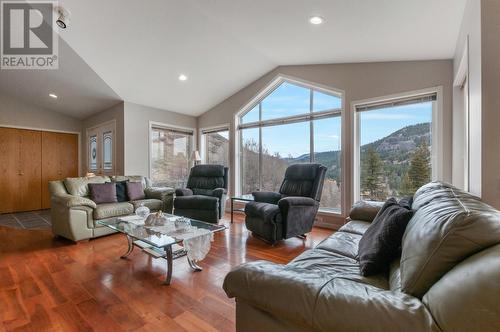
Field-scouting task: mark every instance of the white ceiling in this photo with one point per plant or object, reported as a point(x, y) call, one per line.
point(81, 92)
point(139, 48)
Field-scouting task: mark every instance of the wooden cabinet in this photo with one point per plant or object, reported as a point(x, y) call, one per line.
point(28, 160)
point(59, 160)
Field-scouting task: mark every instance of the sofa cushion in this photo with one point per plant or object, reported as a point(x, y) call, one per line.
point(335, 265)
point(121, 191)
point(103, 192)
point(196, 202)
point(265, 211)
point(108, 210)
point(135, 191)
point(365, 210)
point(381, 242)
point(449, 225)
point(343, 243)
point(355, 227)
point(146, 182)
point(151, 203)
point(79, 186)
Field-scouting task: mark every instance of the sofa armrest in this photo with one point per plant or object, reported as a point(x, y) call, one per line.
point(267, 197)
point(219, 192)
point(277, 289)
point(324, 301)
point(365, 210)
point(165, 194)
point(183, 192)
point(72, 201)
point(158, 192)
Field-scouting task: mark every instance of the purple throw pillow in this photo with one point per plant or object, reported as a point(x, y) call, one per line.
point(135, 191)
point(103, 192)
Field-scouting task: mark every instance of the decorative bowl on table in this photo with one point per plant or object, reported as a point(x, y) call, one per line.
point(156, 219)
point(142, 211)
point(182, 223)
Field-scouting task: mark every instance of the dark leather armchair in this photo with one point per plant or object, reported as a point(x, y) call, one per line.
point(290, 212)
point(204, 197)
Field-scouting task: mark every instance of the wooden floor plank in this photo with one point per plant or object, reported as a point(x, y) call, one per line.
point(51, 284)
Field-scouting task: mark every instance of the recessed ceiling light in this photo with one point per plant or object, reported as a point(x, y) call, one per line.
point(183, 77)
point(316, 20)
point(51, 95)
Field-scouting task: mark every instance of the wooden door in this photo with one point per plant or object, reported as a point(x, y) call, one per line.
point(59, 160)
point(9, 169)
point(30, 175)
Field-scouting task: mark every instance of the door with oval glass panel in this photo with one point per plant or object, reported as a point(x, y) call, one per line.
point(101, 149)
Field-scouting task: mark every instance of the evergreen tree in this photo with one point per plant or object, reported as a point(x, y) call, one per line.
point(406, 188)
point(371, 177)
point(419, 172)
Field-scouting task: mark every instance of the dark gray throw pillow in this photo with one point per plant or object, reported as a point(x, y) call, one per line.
point(121, 191)
point(406, 202)
point(381, 243)
point(103, 192)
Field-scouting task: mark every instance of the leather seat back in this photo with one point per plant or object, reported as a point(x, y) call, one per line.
point(449, 225)
point(467, 297)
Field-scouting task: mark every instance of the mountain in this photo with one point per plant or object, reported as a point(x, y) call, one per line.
point(394, 150)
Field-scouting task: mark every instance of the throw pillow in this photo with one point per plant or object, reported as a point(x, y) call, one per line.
point(406, 202)
point(121, 191)
point(102, 192)
point(381, 243)
point(135, 191)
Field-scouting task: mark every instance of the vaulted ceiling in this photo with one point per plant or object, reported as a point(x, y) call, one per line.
point(139, 48)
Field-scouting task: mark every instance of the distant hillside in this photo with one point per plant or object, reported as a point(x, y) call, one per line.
point(394, 151)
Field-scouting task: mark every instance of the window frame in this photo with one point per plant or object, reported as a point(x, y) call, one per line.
point(437, 164)
point(162, 125)
point(310, 117)
point(203, 143)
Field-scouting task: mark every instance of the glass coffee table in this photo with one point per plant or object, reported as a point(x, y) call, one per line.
point(158, 244)
point(242, 198)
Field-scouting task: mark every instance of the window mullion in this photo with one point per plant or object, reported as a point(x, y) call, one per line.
point(260, 147)
point(311, 127)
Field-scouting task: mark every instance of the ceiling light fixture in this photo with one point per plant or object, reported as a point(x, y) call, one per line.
point(316, 20)
point(183, 77)
point(63, 16)
point(51, 95)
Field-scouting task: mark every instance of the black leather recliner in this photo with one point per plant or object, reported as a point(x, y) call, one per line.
point(204, 197)
point(291, 212)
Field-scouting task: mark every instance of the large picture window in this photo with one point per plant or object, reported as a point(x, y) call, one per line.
point(293, 123)
point(171, 150)
point(216, 146)
point(394, 146)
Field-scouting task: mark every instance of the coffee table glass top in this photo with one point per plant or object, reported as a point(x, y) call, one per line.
point(155, 238)
point(246, 197)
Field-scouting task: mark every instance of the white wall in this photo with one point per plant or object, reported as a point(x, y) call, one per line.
point(136, 130)
point(17, 113)
point(490, 115)
point(471, 29)
point(359, 81)
point(481, 25)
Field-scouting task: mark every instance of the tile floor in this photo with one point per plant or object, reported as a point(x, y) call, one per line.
point(27, 220)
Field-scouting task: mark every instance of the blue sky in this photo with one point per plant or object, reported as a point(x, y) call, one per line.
point(293, 139)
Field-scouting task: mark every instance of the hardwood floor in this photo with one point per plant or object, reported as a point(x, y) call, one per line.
point(50, 284)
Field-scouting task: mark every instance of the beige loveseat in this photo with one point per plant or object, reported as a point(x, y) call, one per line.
point(74, 216)
point(447, 279)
